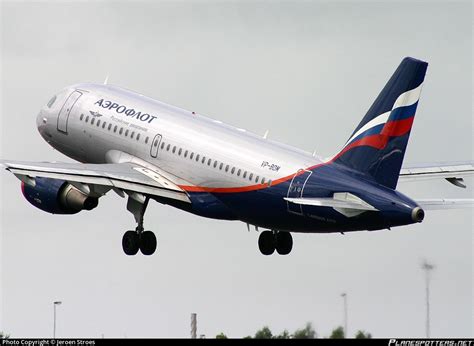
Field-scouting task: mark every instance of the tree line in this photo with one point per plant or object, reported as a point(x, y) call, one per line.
point(308, 332)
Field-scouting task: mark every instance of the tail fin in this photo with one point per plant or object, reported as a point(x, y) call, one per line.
point(377, 146)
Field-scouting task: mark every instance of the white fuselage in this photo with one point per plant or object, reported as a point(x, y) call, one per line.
point(87, 121)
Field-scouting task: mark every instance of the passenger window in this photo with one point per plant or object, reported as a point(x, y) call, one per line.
point(192, 155)
point(146, 140)
point(155, 144)
point(227, 168)
point(245, 175)
point(92, 121)
point(115, 128)
point(87, 119)
point(233, 170)
point(238, 173)
point(179, 152)
point(256, 179)
point(121, 130)
point(98, 123)
point(250, 176)
point(138, 137)
point(103, 124)
point(220, 166)
point(186, 153)
point(174, 149)
point(126, 133)
point(197, 157)
point(132, 134)
point(270, 182)
point(162, 145)
point(215, 164)
point(263, 180)
point(82, 117)
point(168, 148)
point(110, 126)
point(209, 162)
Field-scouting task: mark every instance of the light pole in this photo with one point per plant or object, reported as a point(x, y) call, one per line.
point(427, 268)
point(344, 296)
point(54, 322)
point(193, 325)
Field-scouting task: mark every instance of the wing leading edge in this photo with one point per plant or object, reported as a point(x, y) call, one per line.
point(128, 177)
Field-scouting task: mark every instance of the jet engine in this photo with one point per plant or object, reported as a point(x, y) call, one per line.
point(57, 196)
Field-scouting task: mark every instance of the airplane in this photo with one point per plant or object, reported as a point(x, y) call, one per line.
point(144, 149)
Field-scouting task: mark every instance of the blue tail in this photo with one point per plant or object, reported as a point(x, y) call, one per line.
point(377, 146)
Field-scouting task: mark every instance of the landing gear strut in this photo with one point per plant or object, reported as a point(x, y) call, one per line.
point(142, 240)
point(268, 241)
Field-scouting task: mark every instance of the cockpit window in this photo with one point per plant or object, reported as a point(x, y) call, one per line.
point(51, 102)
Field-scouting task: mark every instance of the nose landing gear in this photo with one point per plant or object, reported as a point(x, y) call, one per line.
point(142, 240)
point(269, 241)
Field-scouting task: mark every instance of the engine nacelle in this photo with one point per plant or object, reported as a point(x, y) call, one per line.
point(57, 197)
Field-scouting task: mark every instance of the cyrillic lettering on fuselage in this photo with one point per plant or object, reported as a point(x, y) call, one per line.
point(124, 110)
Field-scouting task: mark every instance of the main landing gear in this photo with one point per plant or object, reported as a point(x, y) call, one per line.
point(268, 241)
point(142, 240)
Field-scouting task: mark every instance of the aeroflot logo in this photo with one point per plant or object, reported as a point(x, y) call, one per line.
point(129, 112)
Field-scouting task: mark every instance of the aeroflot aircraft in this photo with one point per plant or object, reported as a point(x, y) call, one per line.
point(145, 149)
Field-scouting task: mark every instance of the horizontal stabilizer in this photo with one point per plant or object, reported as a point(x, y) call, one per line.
point(454, 172)
point(445, 203)
point(343, 202)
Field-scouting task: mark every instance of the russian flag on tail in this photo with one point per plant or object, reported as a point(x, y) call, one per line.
point(377, 146)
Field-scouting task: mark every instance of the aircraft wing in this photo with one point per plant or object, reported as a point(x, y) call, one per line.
point(122, 177)
point(453, 172)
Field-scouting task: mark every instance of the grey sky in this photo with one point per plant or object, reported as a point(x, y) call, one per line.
point(307, 71)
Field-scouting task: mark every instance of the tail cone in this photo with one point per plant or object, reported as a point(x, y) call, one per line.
point(417, 214)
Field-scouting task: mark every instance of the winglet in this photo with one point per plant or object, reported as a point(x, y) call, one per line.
point(106, 80)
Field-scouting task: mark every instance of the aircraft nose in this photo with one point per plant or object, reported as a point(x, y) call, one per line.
point(41, 121)
point(44, 117)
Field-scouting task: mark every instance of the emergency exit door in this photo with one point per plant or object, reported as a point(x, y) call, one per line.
point(155, 145)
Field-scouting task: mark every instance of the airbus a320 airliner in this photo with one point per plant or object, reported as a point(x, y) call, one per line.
point(145, 149)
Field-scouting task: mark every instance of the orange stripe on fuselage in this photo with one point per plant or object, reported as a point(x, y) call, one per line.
point(191, 188)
